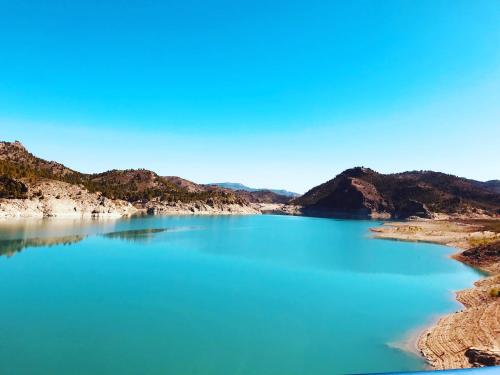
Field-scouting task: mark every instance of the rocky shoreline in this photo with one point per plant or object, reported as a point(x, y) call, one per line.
point(470, 337)
point(197, 208)
point(50, 198)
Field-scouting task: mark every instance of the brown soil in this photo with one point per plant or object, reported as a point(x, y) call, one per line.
point(470, 337)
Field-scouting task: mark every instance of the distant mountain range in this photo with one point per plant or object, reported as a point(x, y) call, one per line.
point(237, 186)
point(364, 192)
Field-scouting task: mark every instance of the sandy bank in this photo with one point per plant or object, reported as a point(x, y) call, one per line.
point(470, 337)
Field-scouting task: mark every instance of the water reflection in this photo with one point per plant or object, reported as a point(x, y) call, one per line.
point(54, 227)
point(294, 290)
point(292, 242)
point(10, 247)
point(139, 235)
point(18, 234)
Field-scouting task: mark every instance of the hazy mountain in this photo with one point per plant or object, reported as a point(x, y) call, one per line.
point(238, 186)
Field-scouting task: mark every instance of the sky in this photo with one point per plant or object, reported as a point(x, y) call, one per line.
point(278, 94)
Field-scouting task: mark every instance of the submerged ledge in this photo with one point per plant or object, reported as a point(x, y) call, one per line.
point(470, 337)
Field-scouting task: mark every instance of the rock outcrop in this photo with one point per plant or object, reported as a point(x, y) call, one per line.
point(485, 256)
point(278, 209)
point(156, 207)
point(480, 357)
point(470, 337)
point(50, 198)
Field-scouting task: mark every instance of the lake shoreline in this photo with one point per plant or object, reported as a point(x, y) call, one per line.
point(63, 200)
point(469, 337)
point(256, 275)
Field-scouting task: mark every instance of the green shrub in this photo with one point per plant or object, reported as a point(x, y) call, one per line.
point(495, 292)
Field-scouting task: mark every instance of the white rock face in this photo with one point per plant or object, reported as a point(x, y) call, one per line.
point(50, 198)
point(278, 209)
point(198, 208)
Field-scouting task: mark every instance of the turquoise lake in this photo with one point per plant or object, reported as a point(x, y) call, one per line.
point(273, 295)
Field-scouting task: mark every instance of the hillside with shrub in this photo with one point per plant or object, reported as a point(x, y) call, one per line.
point(364, 192)
point(19, 169)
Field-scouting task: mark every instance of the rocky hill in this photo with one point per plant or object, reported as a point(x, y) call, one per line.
point(182, 183)
point(19, 169)
point(263, 196)
point(14, 154)
point(16, 163)
point(131, 185)
point(31, 186)
point(365, 193)
point(493, 185)
point(46, 198)
point(248, 194)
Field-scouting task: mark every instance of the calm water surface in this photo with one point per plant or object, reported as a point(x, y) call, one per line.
point(215, 295)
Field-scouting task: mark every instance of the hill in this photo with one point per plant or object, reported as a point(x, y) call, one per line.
point(16, 162)
point(248, 194)
point(364, 192)
point(20, 170)
point(182, 183)
point(263, 196)
point(240, 187)
point(359, 192)
point(493, 185)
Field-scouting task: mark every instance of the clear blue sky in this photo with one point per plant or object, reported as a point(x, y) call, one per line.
point(281, 94)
